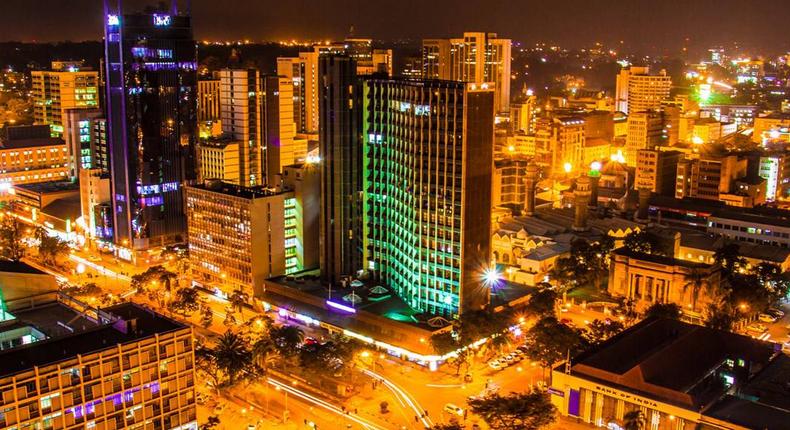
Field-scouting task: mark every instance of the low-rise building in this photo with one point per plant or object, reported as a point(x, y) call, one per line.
point(29, 155)
point(680, 376)
point(67, 365)
point(648, 279)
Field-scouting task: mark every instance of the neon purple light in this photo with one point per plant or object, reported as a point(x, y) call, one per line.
point(341, 307)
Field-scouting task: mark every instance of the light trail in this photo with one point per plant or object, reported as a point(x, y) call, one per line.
point(418, 411)
point(324, 404)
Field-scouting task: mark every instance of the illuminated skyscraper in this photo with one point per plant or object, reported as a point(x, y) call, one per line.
point(208, 99)
point(340, 148)
point(151, 61)
point(638, 91)
point(240, 106)
point(428, 162)
point(476, 57)
point(303, 71)
point(66, 86)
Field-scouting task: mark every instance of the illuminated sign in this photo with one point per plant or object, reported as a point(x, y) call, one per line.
point(162, 20)
point(341, 307)
point(113, 20)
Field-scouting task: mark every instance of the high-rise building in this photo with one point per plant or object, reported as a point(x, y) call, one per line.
point(638, 91)
point(710, 176)
point(94, 191)
point(280, 146)
point(524, 114)
point(85, 150)
point(428, 234)
point(476, 57)
point(656, 170)
point(559, 143)
point(208, 99)
point(66, 86)
point(237, 234)
point(69, 365)
point(218, 158)
point(240, 101)
point(151, 78)
point(340, 149)
point(303, 71)
point(645, 131)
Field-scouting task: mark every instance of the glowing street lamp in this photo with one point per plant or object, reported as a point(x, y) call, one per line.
point(491, 277)
point(568, 167)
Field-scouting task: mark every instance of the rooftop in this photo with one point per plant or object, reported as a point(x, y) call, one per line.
point(235, 190)
point(88, 336)
point(50, 187)
point(676, 362)
point(18, 267)
point(659, 259)
point(32, 142)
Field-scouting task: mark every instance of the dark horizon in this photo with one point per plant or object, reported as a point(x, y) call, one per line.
point(643, 25)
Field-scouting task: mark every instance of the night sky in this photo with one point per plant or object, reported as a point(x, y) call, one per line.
point(647, 25)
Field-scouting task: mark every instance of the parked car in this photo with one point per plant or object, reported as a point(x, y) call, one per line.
point(767, 318)
point(453, 409)
point(495, 364)
point(219, 408)
point(756, 328)
point(778, 313)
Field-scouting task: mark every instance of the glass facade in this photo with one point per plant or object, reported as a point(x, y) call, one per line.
point(152, 118)
point(416, 176)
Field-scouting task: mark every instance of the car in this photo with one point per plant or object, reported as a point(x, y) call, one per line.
point(453, 409)
point(220, 408)
point(767, 318)
point(756, 328)
point(567, 322)
point(252, 427)
point(778, 313)
point(94, 257)
point(519, 353)
point(495, 364)
point(509, 359)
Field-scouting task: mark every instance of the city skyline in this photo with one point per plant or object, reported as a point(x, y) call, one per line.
point(571, 23)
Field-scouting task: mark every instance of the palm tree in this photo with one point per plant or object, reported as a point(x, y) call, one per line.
point(232, 356)
point(238, 298)
point(697, 281)
point(287, 339)
point(635, 420)
point(265, 354)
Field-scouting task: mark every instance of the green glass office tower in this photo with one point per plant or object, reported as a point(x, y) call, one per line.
point(428, 160)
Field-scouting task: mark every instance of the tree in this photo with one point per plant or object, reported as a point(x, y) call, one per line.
point(11, 236)
point(729, 258)
point(517, 411)
point(187, 301)
point(543, 302)
point(265, 354)
point(697, 280)
point(50, 247)
point(634, 420)
point(451, 426)
point(206, 316)
point(233, 358)
point(211, 423)
point(664, 310)
point(720, 317)
point(229, 320)
point(775, 282)
point(600, 330)
point(644, 242)
point(329, 358)
point(287, 339)
point(549, 341)
point(472, 326)
point(238, 299)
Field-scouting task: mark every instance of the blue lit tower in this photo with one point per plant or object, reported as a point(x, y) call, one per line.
point(151, 85)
